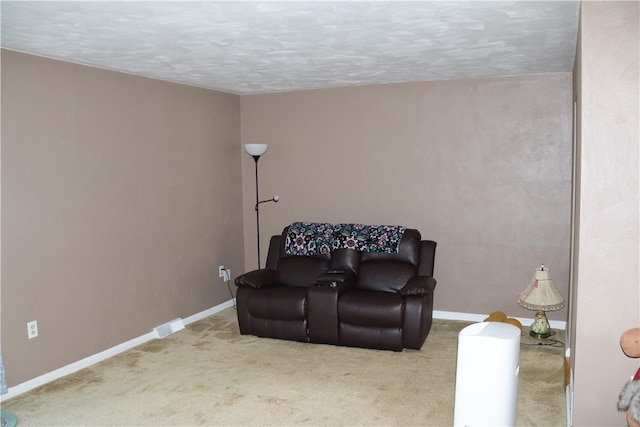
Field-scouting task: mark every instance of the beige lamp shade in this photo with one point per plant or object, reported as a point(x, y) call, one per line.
point(541, 294)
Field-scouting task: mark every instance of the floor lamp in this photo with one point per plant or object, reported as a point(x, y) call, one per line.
point(255, 151)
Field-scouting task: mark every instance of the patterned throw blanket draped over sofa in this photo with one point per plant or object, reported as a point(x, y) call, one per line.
point(315, 238)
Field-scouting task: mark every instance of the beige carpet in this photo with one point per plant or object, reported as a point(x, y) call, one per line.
point(209, 374)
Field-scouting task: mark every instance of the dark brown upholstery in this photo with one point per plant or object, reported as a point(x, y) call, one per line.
point(377, 300)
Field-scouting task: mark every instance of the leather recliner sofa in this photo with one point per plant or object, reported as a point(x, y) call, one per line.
point(341, 296)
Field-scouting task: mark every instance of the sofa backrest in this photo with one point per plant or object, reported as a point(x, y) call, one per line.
point(301, 270)
point(375, 271)
point(295, 270)
point(390, 272)
point(346, 260)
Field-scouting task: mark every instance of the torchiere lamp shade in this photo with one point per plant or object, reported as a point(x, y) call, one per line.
point(256, 150)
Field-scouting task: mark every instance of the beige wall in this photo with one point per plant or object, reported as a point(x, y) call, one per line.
point(481, 166)
point(108, 180)
point(606, 295)
point(120, 197)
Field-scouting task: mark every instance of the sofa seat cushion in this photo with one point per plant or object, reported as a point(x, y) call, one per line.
point(279, 303)
point(371, 309)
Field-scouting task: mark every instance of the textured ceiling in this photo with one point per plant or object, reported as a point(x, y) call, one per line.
point(248, 47)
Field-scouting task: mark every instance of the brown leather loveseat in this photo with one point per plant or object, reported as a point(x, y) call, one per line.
point(345, 284)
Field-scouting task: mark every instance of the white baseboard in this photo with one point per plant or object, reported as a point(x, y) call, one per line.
point(206, 313)
point(471, 317)
point(86, 362)
point(91, 360)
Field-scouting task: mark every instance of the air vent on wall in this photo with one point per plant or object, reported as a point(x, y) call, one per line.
point(168, 328)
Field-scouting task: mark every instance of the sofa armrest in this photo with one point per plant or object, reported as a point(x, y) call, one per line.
point(258, 278)
point(419, 285)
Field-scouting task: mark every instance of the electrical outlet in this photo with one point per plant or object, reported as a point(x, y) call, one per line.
point(224, 272)
point(32, 329)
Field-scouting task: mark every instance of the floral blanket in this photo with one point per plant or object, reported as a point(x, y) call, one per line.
point(314, 238)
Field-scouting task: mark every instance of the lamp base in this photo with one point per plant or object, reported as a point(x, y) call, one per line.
point(540, 328)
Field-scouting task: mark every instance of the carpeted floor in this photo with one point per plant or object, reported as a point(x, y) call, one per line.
point(209, 374)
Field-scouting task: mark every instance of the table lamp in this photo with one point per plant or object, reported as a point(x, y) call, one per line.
point(541, 295)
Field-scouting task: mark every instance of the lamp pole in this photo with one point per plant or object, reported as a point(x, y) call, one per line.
point(256, 158)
